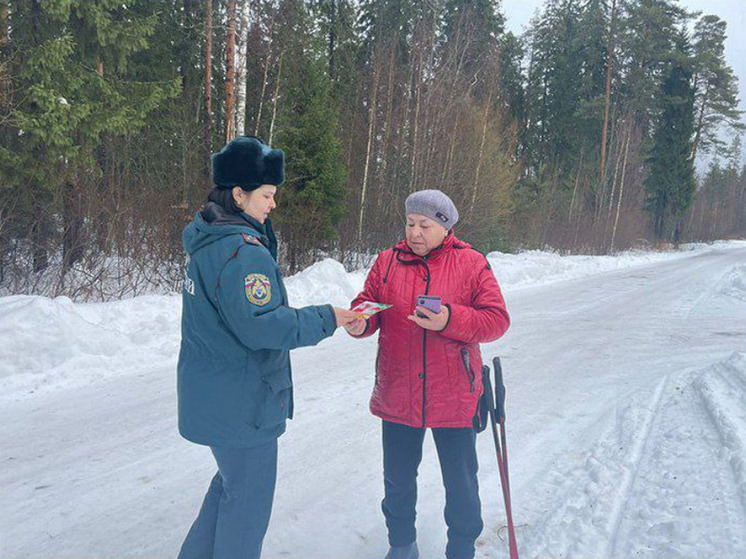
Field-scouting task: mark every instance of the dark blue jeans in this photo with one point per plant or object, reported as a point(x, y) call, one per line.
point(235, 513)
point(402, 454)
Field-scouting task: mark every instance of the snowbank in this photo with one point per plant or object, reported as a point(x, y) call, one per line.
point(325, 282)
point(536, 267)
point(734, 283)
point(55, 342)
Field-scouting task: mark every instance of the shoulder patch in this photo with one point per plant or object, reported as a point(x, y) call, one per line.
point(258, 289)
point(251, 239)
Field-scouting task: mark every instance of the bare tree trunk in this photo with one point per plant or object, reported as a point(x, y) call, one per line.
point(4, 28)
point(242, 58)
point(575, 188)
point(230, 73)
point(418, 86)
point(529, 114)
point(405, 132)
point(427, 125)
point(72, 226)
point(264, 78)
point(101, 218)
point(693, 213)
point(208, 90)
point(185, 156)
point(609, 51)
point(621, 189)
point(39, 254)
point(5, 80)
point(332, 37)
point(449, 157)
point(548, 211)
point(387, 120)
point(372, 109)
point(741, 207)
point(700, 120)
point(445, 175)
point(277, 96)
point(613, 181)
point(481, 155)
point(702, 216)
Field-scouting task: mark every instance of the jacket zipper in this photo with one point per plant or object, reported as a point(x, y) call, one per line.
point(424, 347)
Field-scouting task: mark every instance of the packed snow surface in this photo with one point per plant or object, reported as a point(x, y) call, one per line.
point(626, 380)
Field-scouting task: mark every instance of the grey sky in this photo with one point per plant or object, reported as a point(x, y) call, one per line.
point(519, 12)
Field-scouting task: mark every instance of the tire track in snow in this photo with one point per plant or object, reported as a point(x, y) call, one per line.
point(586, 500)
point(722, 398)
point(630, 472)
point(682, 504)
point(671, 494)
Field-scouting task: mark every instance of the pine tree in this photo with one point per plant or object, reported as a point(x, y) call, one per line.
point(70, 59)
point(670, 184)
point(648, 38)
point(716, 87)
point(476, 27)
point(554, 90)
point(311, 202)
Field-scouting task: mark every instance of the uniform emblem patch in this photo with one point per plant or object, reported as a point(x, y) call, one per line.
point(258, 289)
point(251, 239)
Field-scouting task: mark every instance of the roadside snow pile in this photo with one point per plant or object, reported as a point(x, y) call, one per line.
point(723, 391)
point(47, 343)
point(734, 283)
point(324, 282)
point(537, 267)
point(55, 341)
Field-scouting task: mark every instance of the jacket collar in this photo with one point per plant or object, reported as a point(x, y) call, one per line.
point(214, 214)
point(405, 254)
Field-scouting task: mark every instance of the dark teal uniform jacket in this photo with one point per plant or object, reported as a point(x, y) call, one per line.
point(234, 381)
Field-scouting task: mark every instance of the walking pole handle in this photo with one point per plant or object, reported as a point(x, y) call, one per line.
point(488, 394)
point(499, 390)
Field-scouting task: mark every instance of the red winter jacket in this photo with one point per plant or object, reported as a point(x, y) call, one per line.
point(421, 379)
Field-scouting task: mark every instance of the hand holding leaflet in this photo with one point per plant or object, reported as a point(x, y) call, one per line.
point(366, 309)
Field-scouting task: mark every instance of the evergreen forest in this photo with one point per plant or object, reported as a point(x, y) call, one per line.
point(583, 134)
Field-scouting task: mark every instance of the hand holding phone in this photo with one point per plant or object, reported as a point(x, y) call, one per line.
point(438, 316)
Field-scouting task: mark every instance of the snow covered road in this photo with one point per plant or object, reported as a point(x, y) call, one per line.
point(626, 428)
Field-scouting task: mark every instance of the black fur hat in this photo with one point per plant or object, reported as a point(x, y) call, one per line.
point(248, 162)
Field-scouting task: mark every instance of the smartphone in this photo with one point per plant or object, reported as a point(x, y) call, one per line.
point(430, 302)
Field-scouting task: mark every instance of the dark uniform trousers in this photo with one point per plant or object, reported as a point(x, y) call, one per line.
point(235, 513)
point(402, 453)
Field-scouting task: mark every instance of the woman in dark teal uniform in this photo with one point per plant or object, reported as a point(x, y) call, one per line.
point(234, 380)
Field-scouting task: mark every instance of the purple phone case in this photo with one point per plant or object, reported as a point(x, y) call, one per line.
point(429, 302)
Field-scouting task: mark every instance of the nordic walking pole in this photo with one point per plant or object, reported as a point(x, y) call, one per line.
point(498, 416)
point(496, 407)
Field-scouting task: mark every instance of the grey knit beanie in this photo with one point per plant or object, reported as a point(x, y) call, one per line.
point(433, 204)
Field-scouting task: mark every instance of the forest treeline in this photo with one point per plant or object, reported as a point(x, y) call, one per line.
point(582, 134)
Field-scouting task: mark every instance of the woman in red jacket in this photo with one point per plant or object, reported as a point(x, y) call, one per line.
point(428, 368)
